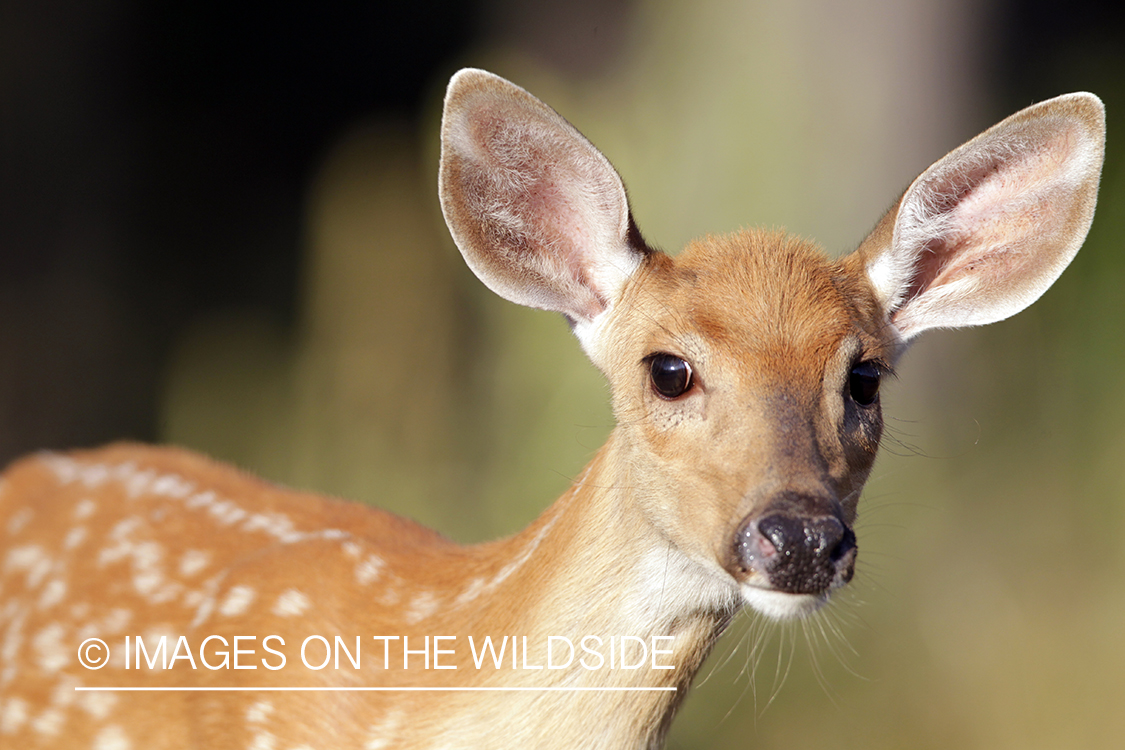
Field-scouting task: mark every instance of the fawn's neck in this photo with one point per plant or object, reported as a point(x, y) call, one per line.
point(593, 565)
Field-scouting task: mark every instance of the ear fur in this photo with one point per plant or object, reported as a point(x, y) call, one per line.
point(539, 214)
point(982, 233)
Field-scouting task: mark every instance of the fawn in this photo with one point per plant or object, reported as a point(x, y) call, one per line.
point(745, 378)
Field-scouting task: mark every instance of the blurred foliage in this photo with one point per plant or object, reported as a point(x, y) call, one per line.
point(988, 609)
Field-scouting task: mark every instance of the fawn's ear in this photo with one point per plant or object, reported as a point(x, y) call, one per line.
point(539, 214)
point(986, 230)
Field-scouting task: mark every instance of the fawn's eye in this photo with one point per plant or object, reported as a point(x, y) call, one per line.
point(671, 376)
point(863, 383)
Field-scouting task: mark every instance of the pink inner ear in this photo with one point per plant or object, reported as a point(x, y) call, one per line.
point(992, 214)
point(543, 199)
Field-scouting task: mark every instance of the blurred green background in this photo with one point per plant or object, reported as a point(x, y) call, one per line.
point(219, 228)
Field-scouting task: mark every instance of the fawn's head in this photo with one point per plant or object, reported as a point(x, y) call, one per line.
point(745, 371)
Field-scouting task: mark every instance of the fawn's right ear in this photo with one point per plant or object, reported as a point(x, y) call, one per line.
point(539, 214)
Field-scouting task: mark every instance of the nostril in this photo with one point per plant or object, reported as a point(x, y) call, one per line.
point(844, 544)
point(782, 531)
point(828, 534)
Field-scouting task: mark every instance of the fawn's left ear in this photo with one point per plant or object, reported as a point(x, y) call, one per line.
point(539, 214)
point(986, 230)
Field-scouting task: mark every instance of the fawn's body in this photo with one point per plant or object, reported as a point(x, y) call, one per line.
point(745, 382)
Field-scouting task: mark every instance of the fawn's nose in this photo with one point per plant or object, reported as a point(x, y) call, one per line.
point(797, 553)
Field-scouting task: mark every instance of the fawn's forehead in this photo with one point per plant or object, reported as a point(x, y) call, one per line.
point(766, 295)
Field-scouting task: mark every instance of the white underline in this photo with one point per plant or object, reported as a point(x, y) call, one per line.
point(379, 689)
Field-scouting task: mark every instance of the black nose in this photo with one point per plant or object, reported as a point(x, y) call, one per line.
point(809, 555)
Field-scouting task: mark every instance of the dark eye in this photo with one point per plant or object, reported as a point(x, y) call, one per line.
point(863, 383)
point(670, 375)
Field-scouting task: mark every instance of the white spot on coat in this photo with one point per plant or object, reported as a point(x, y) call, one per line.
point(64, 469)
point(64, 693)
point(383, 733)
point(291, 603)
point(74, 537)
point(259, 712)
point(19, 520)
point(193, 561)
point(113, 623)
point(147, 573)
point(171, 485)
point(53, 593)
point(421, 606)
point(203, 499)
point(262, 741)
point(33, 559)
point(13, 715)
point(368, 570)
point(237, 601)
point(112, 737)
point(210, 587)
point(227, 513)
point(13, 638)
point(52, 654)
point(137, 482)
point(49, 722)
point(476, 587)
point(99, 705)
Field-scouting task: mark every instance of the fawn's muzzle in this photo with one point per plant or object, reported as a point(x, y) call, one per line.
point(797, 553)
